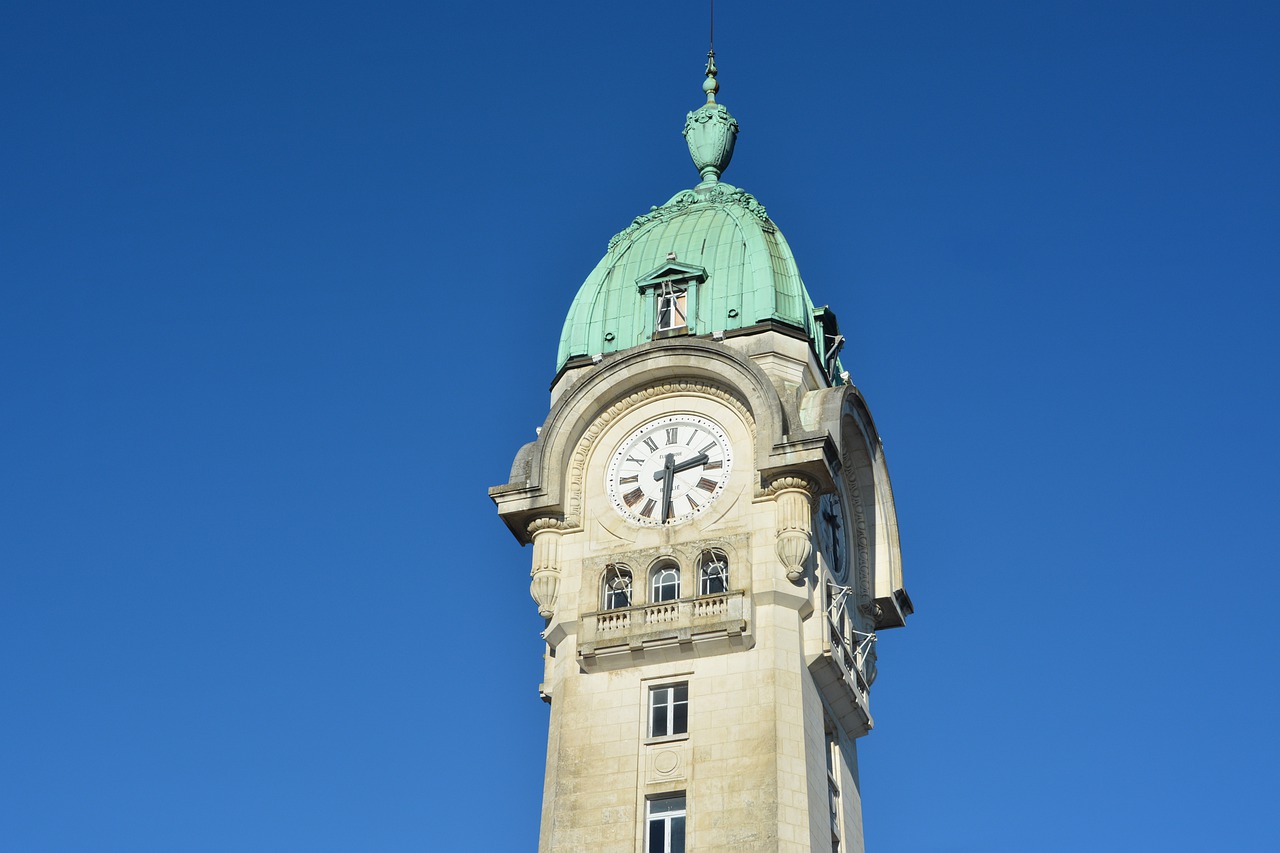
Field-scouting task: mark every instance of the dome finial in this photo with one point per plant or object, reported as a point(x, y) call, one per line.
point(710, 130)
point(710, 86)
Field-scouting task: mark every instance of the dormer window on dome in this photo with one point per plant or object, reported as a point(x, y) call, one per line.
point(673, 303)
point(674, 289)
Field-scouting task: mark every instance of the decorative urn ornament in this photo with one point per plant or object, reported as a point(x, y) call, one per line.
point(710, 131)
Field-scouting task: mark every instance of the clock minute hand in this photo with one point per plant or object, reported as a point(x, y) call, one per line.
point(692, 461)
point(668, 476)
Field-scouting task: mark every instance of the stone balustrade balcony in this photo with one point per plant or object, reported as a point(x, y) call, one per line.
point(706, 624)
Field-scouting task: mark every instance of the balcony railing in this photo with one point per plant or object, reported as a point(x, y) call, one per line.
point(849, 660)
point(666, 623)
point(840, 671)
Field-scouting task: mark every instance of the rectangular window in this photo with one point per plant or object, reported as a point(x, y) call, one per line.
point(665, 825)
point(669, 710)
point(672, 300)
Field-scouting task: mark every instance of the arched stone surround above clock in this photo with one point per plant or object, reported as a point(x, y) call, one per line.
point(589, 460)
point(544, 474)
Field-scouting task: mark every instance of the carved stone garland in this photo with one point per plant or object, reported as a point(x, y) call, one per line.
point(546, 564)
point(794, 495)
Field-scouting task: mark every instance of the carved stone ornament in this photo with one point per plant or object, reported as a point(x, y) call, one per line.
point(720, 194)
point(546, 522)
point(794, 496)
point(546, 564)
point(789, 482)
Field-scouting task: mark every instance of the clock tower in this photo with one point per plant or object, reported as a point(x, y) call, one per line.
point(715, 547)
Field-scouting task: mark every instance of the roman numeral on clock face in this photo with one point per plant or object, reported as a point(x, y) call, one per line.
point(625, 481)
point(671, 434)
point(713, 465)
point(708, 447)
point(633, 497)
point(707, 485)
point(647, 512)
point(693, 505)
point(651, 444)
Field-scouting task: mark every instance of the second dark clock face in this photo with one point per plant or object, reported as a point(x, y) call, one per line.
point(831, 535)
point(669, 470)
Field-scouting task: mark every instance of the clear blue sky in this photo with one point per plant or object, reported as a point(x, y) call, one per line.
point(280, 289)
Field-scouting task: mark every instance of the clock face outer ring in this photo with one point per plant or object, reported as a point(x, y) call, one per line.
point(637, 495)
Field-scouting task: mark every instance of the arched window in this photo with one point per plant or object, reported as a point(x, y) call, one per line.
point(617, 586)
point(713, 572)
point(666, 582)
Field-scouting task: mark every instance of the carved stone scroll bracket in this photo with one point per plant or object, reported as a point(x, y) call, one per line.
point(794, 496)
point(545, 585)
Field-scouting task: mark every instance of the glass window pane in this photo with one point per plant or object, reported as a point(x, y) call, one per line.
point(657, 837)
point(714, 573)
point(680, 719)
point(666, 805)
point(666, 585)
point(659, 721)
point(672, 308)
point(677, 834)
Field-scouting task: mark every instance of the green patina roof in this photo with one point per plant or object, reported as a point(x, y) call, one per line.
point(750, 274)
point(715, 239)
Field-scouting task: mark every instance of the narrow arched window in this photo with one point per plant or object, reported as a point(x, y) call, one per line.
point(617, 586)
point(713, 572)
point(666, 583)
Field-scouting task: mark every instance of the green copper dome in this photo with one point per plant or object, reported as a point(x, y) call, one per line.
point(708, 261)
point(719, 242)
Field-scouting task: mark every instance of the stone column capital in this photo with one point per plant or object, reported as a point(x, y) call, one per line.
point(793, 481)
point(545, 523)
point(794, 493)
point(545, 585)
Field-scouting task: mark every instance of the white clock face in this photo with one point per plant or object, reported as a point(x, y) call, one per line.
point(669, 470)
point(831, 538)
